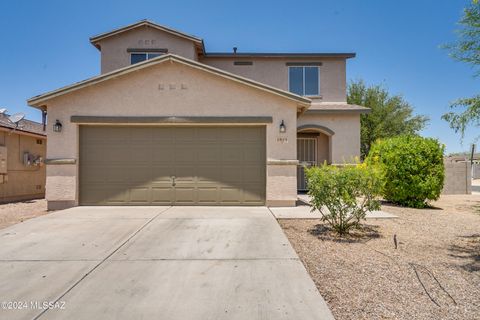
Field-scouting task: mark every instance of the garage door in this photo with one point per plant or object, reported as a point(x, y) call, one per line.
point(136, 165)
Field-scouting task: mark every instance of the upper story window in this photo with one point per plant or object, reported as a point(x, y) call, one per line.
point(142, 56)
point(304, 80)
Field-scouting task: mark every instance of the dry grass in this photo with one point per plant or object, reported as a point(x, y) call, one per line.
point(434, 273)
point(16, 212)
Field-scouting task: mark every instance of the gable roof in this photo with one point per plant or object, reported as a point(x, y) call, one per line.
point(39, 100)
point(95, 39)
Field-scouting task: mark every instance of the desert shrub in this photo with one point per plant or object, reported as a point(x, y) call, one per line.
point(413, 169)
point(344, 195)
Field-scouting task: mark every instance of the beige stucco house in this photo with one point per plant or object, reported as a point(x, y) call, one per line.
point(168, 123)
point(22, 152)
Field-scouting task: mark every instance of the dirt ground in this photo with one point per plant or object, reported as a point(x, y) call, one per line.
point(434, 273)
point(12, 213)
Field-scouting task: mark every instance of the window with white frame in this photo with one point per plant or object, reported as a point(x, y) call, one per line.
point(304, 80)
point(142, 56)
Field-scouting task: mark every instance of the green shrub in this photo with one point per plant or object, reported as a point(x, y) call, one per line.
point(344, 195)
point(413, 169)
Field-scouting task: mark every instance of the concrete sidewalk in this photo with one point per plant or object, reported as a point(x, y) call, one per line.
point(303, 211)
point(155, 262)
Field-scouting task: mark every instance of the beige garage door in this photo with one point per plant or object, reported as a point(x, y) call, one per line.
point(172, 165)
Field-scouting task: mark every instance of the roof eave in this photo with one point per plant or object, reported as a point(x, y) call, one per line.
point(20, 131)
point(325, 111)
point(347, 55)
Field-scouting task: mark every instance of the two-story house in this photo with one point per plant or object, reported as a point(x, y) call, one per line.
point(168, 123)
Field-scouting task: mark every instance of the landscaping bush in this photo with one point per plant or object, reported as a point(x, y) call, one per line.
point(413, 169)
point(344, 195)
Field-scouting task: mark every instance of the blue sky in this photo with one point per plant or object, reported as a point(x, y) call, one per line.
point(45, 43)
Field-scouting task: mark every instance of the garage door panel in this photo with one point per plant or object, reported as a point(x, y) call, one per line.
point(205, 134)
point(114, 153)
point(231, 153)
point(184, 173)
point(93, 135)
point(111, 134)
point(207, 152)
point(141, 135)
point(117, 193)
point(115, 174)
point(162, 154)
point(207, 174)
point(253, 174)
point(252, 192)
point(92, 174)
point(162, 195)
point(231, 174)
point(92, 155)
point(139, 153)
point(232, 134)
point(183, 153)
point(230, 195)
point(140, 194)
point(163, 134)
point(253, 153)
point(161, 174)
point(136, 165)
point(186, 134)
point(207, 194)
point(139, 174)
point(185, 195)
point(92, 194)
point(251, 135)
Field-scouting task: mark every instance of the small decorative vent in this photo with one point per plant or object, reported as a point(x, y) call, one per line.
point(242, 63)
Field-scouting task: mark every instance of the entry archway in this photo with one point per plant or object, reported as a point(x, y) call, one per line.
point(314, 147)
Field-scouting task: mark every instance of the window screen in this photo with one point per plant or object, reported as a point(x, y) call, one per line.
point(304, 81)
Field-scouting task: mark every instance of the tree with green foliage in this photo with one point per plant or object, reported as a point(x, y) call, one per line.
point(413, 169)
point(466, 49)
point(389, 116)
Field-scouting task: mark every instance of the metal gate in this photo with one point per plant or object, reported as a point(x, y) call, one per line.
point(307, 157)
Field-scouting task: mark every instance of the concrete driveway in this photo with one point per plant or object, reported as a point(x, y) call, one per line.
point(154, 263)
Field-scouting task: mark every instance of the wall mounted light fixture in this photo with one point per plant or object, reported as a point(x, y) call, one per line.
point(57, 126)
point(283, 128)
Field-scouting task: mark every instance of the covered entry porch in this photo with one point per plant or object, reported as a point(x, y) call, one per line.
point(314, 147)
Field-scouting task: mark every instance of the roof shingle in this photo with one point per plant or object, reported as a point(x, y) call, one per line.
point(24, 125)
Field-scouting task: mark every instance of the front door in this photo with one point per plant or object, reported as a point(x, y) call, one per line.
point(307, 156)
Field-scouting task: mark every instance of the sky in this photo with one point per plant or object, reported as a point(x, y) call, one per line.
point(45, 44)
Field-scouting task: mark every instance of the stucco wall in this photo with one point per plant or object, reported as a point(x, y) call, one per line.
point(458, 178)
point(114, 53)
point(476, 170)
point(274, 71)
point(170, 89)
point(345, 143)
point(23, 182)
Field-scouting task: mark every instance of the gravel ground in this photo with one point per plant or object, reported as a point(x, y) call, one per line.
point(12, 213)
point(434, 273)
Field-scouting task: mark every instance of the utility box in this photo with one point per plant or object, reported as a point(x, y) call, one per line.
point(3, 160)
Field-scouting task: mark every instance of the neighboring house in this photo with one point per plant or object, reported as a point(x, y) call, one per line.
point(22, 152)
point(167, 123)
